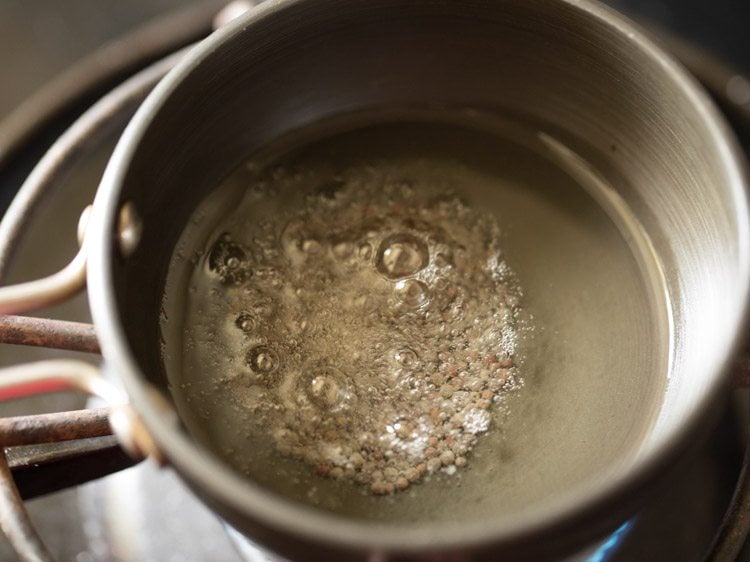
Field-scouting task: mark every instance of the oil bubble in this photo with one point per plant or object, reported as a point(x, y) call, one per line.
point(342, 250)
point(311, 246)
point(401, 255)
point(262, 359)
point(226, 259)
point(293, 237)
point(328, 190)
point(412, 294)
point(246, 322)
point(365, 251)
point(327, 388)
point(406, 357)
point(263, 309)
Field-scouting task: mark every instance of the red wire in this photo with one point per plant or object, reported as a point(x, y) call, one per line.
point(29, 389)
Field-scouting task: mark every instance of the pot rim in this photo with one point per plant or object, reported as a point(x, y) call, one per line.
point(593, 506)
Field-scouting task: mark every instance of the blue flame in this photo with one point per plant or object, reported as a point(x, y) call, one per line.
point(609, 547)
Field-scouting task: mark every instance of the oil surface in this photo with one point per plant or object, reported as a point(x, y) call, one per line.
point(337, 284)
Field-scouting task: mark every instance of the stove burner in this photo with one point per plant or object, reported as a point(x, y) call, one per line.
point(608, 548)
point(97, 498)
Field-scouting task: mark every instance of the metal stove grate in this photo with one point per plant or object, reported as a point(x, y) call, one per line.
point(115, 108)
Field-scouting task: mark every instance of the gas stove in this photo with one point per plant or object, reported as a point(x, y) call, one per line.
point(145, 513)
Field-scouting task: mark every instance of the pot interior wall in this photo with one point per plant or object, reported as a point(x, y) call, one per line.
point(547, 63)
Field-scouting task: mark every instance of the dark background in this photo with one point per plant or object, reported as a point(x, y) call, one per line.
point(722, 26)
point(39, 38)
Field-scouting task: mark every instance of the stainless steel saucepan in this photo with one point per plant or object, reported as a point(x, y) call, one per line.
point(601, 93)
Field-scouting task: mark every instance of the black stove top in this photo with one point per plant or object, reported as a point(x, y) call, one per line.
point(719, 26)
point(114, 519)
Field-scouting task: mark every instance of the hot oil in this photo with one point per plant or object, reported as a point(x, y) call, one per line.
point(350, 273)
